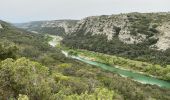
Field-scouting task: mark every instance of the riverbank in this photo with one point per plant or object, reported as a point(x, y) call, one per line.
point(145, 68)
point(124, 73)
point(108, 62)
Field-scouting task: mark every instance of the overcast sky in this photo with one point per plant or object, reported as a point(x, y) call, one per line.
point(32, 10)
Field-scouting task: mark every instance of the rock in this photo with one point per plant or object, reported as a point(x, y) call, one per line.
point(113, 25)
point(127, 38)
point(1, 26)
point(164, 36)
point(102, 25)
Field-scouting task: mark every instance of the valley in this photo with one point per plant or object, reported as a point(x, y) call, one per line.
point(92, 58)
point(85, 50)
point(108, 57)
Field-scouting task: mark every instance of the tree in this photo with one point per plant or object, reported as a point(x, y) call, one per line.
point(7, 50)
point(24, 77)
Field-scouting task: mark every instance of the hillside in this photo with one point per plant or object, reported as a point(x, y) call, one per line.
point(131, 28)
point(31, 69)
point(140, 36)
point(55, 27)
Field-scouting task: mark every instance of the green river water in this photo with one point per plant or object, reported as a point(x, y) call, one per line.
point(126, 73)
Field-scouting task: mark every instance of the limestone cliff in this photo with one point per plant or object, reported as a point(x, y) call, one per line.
point(131, 28)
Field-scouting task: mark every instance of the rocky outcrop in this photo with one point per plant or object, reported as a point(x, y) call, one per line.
point(1, 26)
point(132, 28)
point(113, 25)
point(108, 25)
point(127, 38)
point(164, 36)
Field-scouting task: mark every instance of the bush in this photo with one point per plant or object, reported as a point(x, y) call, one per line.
point(8, 50)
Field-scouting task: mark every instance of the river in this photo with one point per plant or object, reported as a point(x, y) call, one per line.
point(124, 73)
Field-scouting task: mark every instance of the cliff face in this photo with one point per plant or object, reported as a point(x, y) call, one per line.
point(132, 28)
point(108, 25)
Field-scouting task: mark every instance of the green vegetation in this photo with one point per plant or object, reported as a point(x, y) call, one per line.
point(50, 30)
point(55, 27)
point(30, 69)
point(141, 24)
point(137, 23)
point(99, 94)
point(146, 23)
point(139, 66)
point(68, 81)
point(23, 77)
point(7, 50)
point(99, 43)
point(26, 77)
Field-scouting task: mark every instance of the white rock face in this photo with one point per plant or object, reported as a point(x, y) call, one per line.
point(1, 26)
point(102, 25)
point(164, 36)
point(127, 38)
point(110, 26)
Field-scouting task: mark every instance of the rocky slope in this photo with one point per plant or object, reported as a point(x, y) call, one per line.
point(130, 28)
point(57, 27)
point(108, 25)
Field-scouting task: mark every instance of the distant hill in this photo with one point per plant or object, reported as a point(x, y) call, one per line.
point(55, 27)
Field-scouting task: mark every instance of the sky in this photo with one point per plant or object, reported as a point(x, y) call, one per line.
point(18, 11)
